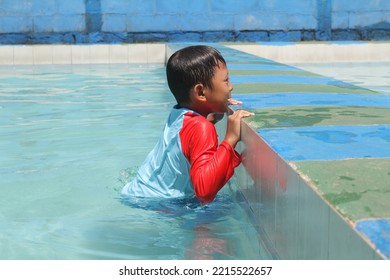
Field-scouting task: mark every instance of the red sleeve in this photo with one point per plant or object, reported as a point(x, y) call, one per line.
point(211, 165)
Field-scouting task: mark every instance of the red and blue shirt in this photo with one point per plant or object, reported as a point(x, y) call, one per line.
point(186, 161)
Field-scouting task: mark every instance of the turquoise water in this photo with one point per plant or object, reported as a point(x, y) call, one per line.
point(70, 137)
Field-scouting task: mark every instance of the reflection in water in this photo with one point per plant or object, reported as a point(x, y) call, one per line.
point(200, 231)
point(205, 245)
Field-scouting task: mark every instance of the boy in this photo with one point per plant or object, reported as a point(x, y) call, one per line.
point(187, 159)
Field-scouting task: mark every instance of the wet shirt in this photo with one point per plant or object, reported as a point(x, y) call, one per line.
point(186, 161)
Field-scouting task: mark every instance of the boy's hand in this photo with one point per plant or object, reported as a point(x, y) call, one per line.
point(233, 130)
point(234, 101)
point(216, 117)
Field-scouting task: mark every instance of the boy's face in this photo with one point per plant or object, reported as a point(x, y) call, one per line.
point(218, 95)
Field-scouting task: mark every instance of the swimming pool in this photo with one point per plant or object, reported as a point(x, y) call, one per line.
point(70, 137)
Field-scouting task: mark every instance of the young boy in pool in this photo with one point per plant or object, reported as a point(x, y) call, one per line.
point(187, 159)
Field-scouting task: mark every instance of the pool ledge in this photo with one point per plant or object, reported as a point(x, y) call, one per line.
point(298, 220)
point(314, 175)
point(336, 51)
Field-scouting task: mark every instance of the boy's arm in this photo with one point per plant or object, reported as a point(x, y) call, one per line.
point(211, 165)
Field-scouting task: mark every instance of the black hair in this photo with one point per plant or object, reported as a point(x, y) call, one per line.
point(190, 66)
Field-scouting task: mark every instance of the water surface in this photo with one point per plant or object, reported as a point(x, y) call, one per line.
point(70, 138)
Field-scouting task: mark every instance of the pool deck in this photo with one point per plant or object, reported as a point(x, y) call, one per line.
point(336, 136)
point(316, 156)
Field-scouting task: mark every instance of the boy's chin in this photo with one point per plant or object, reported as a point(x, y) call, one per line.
point(225, 109)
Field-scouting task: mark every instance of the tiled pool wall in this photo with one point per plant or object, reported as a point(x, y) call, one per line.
point(137, 21)
point(310, 208)
point(82, 54)
point(298, 221)
point(358, 51)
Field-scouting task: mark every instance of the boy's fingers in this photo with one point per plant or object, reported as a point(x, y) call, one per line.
point(244, 114)
point(248, 114)
point(234, 101)
point(239, 114)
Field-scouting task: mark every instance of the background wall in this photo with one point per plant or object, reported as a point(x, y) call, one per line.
point(94, 21)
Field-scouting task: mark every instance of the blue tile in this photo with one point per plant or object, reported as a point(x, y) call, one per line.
point(265, 100)
point(284, 79)
point(261, 66)
point(329, 142)
point(231, 6)
point(14, 24)
point(70, 7)
point(378, 231)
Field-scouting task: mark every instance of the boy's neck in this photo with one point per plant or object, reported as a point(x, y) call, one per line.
point(193, 108)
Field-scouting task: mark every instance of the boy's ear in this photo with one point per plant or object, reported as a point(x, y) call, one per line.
point(199, 92)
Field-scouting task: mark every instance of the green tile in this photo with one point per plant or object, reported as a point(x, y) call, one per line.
point(271, 72)
point(358, 188)
point(251, 62)
point(277, 87)
point(308, 116)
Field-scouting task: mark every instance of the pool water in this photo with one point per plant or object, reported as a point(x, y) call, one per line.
point(70, 138)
